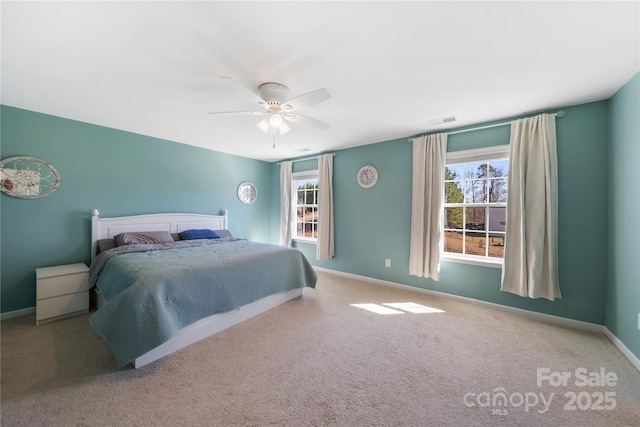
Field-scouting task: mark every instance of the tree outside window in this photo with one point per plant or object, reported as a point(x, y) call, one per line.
point(475, 208)
point(306, 208)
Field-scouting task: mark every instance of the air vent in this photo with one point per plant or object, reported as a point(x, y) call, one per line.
point(442, 121)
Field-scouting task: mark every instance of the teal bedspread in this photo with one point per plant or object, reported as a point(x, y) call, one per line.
point(153, 291)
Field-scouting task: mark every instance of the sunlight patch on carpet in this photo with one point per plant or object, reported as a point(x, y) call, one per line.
point(397, 308)
point(412, 307)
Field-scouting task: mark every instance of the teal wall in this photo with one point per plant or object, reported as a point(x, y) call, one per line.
point(374, 224)
point(119, 173)
point(122, 174)
point(623, 292)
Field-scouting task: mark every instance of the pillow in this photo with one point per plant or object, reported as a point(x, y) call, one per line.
point(105, 244)
point(198, 234)
point(143, 237)
point(223, 233)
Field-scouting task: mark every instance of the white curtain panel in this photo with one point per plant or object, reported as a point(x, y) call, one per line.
point(427, 200)
point(285, 203)
point(531, 247)
point(324, 247)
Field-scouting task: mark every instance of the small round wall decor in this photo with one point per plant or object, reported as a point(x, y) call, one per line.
point(247, 192)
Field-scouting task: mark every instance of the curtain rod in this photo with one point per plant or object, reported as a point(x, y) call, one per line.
point(558, 114)
point(306, 158)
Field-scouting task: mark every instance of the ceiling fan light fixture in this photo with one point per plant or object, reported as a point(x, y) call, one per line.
point(274, 98)
point(276, 121)
point(264, 125)
point(283, 128)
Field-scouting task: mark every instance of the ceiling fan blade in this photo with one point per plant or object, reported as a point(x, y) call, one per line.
point(306, 121)
point(243, 89)
point(308, 99)
point(239, 113)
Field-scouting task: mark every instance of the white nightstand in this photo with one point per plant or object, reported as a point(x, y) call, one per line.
point(61, 291)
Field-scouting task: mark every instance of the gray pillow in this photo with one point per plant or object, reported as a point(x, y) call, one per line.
point(143, 237)
point(105, 244)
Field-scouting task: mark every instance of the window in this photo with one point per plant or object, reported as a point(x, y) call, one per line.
point(305, 205)
point(475, 204)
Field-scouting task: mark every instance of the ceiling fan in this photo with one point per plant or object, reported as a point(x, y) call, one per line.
point(277, 107)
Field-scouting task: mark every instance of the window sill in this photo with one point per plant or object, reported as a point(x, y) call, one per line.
point(479, 262)
point(305, 240)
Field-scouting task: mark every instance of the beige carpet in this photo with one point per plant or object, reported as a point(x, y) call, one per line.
point(318, 361)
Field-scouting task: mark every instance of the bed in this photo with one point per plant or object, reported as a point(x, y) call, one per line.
point(161, 296)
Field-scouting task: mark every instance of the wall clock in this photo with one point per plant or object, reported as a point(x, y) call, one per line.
point(247, 192)
point(367, 176)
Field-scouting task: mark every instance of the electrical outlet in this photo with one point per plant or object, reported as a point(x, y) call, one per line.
point(387, 262)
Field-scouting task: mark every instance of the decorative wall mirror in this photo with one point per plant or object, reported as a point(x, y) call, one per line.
point(247, 192)
point(27, 177)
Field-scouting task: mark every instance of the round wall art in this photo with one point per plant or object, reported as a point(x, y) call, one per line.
point(247, 192)
point(27, 177)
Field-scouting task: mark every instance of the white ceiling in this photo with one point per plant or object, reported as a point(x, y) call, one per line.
point(154, 68)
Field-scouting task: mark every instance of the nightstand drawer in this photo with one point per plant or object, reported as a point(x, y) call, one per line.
point(62, 305)
point(61, 290)
point(61, 285)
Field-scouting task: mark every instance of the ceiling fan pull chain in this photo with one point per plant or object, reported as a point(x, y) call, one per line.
point(274, 142)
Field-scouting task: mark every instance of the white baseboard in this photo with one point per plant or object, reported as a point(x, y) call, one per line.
point(17, 313)
point(635, 361)
point(562, 321)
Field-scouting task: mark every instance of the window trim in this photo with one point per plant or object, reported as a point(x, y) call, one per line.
point(495, 152)
point(297, 176)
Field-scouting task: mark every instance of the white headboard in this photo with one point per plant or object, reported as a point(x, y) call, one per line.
point(106, 228)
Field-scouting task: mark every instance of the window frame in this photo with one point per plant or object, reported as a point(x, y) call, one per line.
point(295, 177)
point(491, 153)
